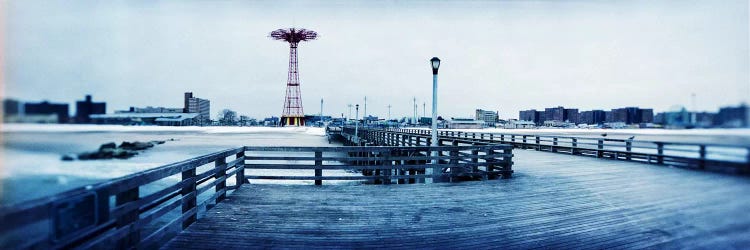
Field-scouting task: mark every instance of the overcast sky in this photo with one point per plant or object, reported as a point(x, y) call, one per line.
point(503, 56)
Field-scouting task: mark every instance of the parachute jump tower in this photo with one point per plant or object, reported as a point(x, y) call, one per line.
point(293, 115)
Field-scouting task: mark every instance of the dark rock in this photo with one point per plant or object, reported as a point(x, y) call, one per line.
point(157, 142)
point(137, 145)
point(110, 145)
point(67, 158)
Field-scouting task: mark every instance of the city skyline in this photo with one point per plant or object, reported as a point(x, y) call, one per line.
point(590, 56)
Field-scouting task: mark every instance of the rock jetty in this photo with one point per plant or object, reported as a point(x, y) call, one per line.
point(112, 151)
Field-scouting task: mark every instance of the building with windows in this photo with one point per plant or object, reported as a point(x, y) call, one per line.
point(554, 114)
point(198, 105)
point(87, 107)
point(45, 108)
point(489, 117)
point(463, 123)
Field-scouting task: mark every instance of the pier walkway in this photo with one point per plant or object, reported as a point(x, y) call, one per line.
point(552, 201)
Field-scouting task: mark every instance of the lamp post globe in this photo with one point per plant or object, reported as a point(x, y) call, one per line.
point(435, 62)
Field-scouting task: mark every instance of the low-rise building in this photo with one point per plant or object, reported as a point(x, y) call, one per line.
point(162, 119)
point(464, 123)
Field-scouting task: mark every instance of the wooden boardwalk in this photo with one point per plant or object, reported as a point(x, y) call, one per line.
point(553, 201)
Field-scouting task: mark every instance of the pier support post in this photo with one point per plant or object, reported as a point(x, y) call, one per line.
point(660, 153)
point(221, 172)
point(702, 153)
point(318, 170)
point(600, 147)
point(554, 145)
point(133, 237)
point(629, 148)
point(189, 199)
point(507, 163)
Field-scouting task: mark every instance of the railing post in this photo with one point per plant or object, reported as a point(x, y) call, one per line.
point(660, 152)
point(502, 138)
point(507, 163)
point(574, 143)
point(387, 171)
point(702, 152)
point(221, 171)
point(189, 199)
point(554, 145)
point(600, 147)
point(538, 145)
point(240, 175)
point(481, 136)
point(475, 161)
point(318, 170)
point(128, 219)
point(490, 159)
point(629, 148)
point(524, 142)
point(491, 137)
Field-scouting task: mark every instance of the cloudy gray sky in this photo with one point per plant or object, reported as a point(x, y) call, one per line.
point(504, 55)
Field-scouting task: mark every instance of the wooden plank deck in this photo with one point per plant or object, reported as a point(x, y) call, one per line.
point(553, 201)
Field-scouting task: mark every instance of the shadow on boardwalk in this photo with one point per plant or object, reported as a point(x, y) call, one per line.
point(554, 201)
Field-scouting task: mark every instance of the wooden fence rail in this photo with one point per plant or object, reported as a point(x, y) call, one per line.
point(714, 156)
point(383, 164)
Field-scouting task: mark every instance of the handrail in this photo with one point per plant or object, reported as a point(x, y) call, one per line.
point(383, 164)
point(116, 212)
point(715, 156)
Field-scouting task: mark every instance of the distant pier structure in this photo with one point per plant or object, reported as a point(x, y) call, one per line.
point(293, 114)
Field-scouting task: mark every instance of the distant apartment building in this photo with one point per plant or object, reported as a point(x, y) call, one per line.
point(59, 111)
point(87, 107)
point(197, 105)
point(530, 115)
point(11, 108)
point(592, 117)
point(630, 115)
point(554, 114)
point(734, 117)
point(489, 117)
point(571, 116)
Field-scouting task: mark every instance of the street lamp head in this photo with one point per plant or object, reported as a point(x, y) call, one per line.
point(435, 65)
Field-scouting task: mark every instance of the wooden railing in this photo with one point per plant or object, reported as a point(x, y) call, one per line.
point(138, 210)
point(383, 165)
point(145, 209)
point(718, 157)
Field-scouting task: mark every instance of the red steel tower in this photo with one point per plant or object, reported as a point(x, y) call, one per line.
point(293, 115)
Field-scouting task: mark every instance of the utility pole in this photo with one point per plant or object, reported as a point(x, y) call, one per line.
point(364, 115)
point(415, 111)
point(424, 109)
point(321, 112)
point(349, 117)
point(389, 112)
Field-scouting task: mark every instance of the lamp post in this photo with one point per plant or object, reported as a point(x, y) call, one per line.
point(435, 62)
point(321, 112)
point(356, 125)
